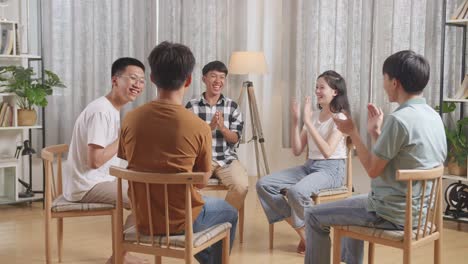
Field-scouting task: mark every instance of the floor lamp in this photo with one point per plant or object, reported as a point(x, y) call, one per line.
point(27, 151)
point(247, 62)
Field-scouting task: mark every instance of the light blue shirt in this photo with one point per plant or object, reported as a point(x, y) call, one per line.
point(413, 137)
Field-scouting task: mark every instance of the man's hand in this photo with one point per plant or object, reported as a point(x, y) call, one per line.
point(220, 118)
point(307, 117)
point(374, 120)
point(214, 121)
point(295, 111)
point(345, 126)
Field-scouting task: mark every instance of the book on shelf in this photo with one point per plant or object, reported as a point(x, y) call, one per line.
point(458, 11)
point(461, 12)
point(462, 91)
point(17, 41)
point(7, 119)
point(8, 40)
point(3, 110)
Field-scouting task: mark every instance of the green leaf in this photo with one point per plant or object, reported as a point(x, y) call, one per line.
point(25, 83)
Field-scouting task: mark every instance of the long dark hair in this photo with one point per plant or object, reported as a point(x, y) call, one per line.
point(336, 82)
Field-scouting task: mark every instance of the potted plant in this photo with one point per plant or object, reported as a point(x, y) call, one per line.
point(457, 142)
point(31, 90)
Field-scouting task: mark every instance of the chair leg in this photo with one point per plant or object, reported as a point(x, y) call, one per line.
point(188, 259)
point(336, 247)
point(189, 254)
point(60, 238)
point(118, 257)
point(226, 248)
point(241, 224)
point(118, 252)
point(371, 253)
point(113, 233)
point(48, 249)
point(157, 259)
point(437, 251)
point(272, 233)
point(406, 255)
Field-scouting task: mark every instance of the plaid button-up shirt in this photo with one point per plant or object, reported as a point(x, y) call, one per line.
point(223, 152)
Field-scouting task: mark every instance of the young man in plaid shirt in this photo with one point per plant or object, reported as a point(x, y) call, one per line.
point(225, 119)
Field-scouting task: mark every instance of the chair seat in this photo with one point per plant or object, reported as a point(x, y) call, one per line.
point(394, 235)
point(324, 192)
point(60, 204)
point(328, 192)
point(178, 241)
point(214, 181)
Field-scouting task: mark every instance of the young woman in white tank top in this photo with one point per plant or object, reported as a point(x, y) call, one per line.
point(325, 166)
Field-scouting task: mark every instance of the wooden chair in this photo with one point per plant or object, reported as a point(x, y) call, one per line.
point(177, 246)
point(430, 230)
point(55, 204)
point(214, 184)
point(342, 192)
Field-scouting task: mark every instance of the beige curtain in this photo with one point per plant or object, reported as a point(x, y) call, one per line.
point(81, 39)
point(300, 39)
point(355, 37)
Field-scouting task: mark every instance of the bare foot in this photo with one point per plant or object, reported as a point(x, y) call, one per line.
point(301, 248)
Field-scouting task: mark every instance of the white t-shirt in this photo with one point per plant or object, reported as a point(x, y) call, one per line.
point(98, 124)
point(325, 129)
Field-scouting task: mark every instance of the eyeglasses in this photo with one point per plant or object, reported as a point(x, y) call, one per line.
point(134, 79)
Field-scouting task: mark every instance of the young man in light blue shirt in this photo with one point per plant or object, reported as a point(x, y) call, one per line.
point(412, 137)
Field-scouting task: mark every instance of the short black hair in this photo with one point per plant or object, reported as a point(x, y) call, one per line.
point(409, 68)
point(171, 65)
point(121, 64)
point(215, 66)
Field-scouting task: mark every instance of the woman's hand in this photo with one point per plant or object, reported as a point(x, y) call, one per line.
point(307, 117)
point(295, 112)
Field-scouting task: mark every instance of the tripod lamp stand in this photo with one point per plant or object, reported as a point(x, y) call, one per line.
point(248, 62)
point(27, 151)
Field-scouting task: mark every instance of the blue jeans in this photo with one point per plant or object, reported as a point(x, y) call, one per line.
point(351, 211)
point(301, 182)
point(215, 211)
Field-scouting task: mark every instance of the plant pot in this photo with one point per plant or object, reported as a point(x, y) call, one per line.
point(455, 169)
point(27, 117)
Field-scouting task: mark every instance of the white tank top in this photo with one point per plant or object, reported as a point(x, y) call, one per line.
point(325, 129)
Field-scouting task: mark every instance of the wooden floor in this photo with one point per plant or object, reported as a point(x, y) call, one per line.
point(88, 240)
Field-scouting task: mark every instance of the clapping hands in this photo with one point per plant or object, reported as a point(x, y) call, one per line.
point(307, 112)
point(374, 120)
point(345, 126)
point(217, 121)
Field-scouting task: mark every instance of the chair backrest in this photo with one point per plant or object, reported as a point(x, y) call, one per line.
point(147, 178)
point(433, 199)
point(49, 155)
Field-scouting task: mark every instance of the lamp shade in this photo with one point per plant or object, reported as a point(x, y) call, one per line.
point(246, 62)
point(27, 150)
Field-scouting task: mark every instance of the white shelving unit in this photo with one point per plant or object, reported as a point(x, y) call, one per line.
point(455, 100)
point(13, 168)
point(463, 25)
point(15, 30)
point(8, 173)
point(455, 178)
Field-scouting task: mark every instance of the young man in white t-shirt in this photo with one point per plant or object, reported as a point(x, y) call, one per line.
point(95, 138)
